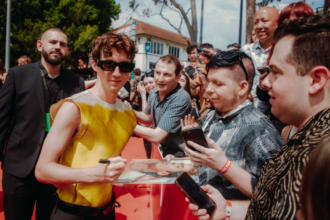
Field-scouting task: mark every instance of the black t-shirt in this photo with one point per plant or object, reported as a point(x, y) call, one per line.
point(52, 93)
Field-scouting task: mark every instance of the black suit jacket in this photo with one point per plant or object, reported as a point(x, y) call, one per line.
point(22, 106)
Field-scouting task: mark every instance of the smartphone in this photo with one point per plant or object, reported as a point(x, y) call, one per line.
point(195, 135)
point(123, 93)
point(199, 49)
point(263, 69)
point(194, 193)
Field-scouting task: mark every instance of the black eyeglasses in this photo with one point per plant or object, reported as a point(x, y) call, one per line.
point(230, 57)
point(109, 65)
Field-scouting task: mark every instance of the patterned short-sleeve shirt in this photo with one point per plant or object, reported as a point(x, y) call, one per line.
point(166, 114)
point(137, 99)
point(276, 195)
point(259, 57)
point(247, 138)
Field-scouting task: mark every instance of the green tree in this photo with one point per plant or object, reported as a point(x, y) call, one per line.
point(82, 20)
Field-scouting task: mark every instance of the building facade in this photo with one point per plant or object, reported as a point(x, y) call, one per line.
point(154, 42)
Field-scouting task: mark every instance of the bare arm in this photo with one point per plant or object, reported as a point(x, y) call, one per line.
point(132, 95)
point(143, 94)
point(143, 118)
point(89, 83)
point(48, 170)
point(153, 135)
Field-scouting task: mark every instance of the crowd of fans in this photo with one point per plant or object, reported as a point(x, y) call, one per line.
point(264, 109)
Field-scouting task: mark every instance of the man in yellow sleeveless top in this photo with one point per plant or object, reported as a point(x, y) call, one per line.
point(86, 127)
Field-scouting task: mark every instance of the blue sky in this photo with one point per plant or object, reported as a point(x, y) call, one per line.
point(221, 18)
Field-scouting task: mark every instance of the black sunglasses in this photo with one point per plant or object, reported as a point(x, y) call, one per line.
point(109, 65)
point(232, 56)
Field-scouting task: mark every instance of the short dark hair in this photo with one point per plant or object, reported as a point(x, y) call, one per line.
point(311, 44)
point(190, 48)
point(187, 86)
point(25, 59)
point(58, 29)
point(206, 45)
point(137, 71)
point(148, 73)
point(238, 72)
point(105, 41)
point(170, 58)
point(236, 45)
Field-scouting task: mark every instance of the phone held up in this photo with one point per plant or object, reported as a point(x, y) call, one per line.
point(199, 49)
point(194, 193)
point(195, 135)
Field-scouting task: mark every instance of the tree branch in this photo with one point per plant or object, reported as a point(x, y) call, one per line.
point(182, 13)
point(173, 9)
point(188, 10)
point(177, 29)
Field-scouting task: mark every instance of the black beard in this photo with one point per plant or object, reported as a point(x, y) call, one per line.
point(52, 61)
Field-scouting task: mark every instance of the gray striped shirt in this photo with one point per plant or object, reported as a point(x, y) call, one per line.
point(166, 114)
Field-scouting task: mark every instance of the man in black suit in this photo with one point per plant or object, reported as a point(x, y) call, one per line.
point(25, 100)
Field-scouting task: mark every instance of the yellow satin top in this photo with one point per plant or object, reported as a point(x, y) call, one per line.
point(105, 130)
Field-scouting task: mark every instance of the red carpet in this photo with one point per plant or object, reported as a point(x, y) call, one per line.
point(134, 199)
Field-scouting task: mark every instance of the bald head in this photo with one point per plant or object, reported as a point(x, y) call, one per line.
point(265, 24)
point(271, 11)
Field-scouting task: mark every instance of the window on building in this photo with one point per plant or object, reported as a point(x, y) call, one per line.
point(152, 65)
point(174, 50)
point(156, 48)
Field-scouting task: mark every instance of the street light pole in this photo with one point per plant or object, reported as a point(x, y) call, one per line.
point(7, 58)
point(201, 31)
point(240, 24)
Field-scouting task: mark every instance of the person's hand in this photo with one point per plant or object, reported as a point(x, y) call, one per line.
point(210, 51)
point(202, 79)
point(195, 74)
point(194, 65)
point(189, 122)
point(211, 157)
point(262, 77)
point(109, 173)
point(141, 89)
point(127, 103)
point(221, 205)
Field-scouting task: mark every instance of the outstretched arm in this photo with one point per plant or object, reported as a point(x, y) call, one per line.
point(48, 170)
point(153, 135)
point(238, 210)
point(89, 83)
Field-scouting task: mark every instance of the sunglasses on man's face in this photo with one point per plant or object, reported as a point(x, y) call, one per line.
point(233, 56)
point(109, 65)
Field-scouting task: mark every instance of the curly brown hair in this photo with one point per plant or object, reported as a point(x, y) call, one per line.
point(105, 41)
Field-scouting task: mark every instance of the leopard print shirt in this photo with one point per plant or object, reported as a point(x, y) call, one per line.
point(276, 194)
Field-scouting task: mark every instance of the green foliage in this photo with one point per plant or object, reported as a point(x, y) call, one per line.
point(82, 20)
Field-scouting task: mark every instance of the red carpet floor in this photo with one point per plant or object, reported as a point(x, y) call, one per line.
point(134, 199)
